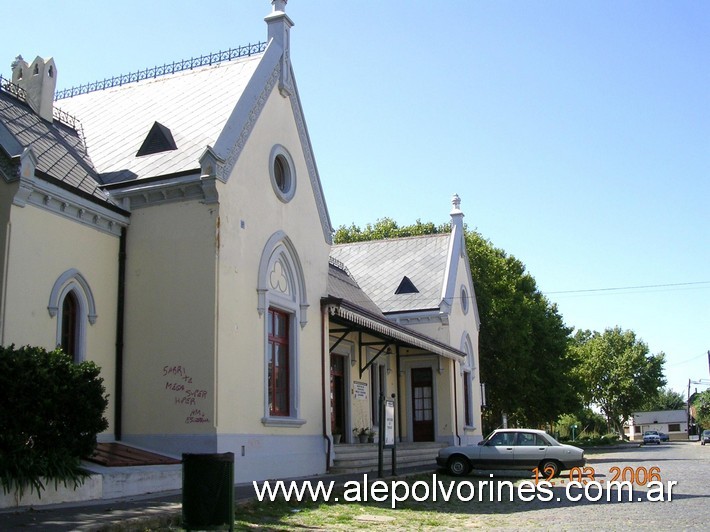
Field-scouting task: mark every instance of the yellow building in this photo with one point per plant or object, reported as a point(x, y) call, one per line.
point(171, 227)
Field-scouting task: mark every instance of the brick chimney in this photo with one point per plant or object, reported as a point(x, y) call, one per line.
point(39, 80)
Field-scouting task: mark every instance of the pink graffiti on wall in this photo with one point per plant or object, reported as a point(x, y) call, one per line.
point(185, 392)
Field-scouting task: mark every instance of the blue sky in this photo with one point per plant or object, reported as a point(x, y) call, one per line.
point(577, 134)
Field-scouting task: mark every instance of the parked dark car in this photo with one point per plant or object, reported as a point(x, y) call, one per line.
point(705, 437)
point(512, 449)
point(664, 436)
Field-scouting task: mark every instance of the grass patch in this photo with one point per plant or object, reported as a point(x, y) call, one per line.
point(408, 515)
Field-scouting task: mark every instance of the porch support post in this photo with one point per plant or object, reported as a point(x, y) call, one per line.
point(399, 393)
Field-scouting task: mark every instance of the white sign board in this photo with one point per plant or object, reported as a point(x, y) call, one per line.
point(360, 390)
point(389, 423)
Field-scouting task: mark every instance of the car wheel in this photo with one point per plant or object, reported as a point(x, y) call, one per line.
point(459, 466)
point(550, 466)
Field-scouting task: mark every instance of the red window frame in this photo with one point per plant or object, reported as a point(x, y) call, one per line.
point(279, 378)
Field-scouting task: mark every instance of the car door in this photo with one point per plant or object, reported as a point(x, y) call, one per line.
point(529, 449)
point(497, 452)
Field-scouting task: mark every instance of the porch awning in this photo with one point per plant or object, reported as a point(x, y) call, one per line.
point(381, 326)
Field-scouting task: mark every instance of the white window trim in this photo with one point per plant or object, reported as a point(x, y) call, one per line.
point(288, 194)
point(291, 302)
point(73, 281)
point(468, 371)
point(345, 349)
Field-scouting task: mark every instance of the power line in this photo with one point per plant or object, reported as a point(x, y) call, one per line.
point(639, 287)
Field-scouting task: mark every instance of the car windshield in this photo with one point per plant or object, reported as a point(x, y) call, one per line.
point(651, 432)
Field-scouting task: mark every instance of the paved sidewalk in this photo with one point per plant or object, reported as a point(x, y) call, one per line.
point(157, 510)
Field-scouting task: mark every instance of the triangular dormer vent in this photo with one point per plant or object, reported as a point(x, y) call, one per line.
point(159, 139)
point(406, 287)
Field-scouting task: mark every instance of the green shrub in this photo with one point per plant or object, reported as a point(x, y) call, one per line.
point(52, 412)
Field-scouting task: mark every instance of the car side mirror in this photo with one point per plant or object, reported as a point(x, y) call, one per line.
point(481, 442)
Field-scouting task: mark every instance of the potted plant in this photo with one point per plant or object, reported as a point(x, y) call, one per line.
point(361, 434)
point(337, 435)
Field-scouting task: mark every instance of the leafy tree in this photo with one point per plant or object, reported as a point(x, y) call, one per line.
point(588, 423)
point(523, 340)
point(701, 402)
point(50, 418)
point(666, 399)
point(616, 372)
point(386, 228)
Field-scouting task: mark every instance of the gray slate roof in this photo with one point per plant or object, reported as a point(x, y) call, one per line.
point(379, 266)
point(347, 301)
point(343, 286)
point(60, 152)
point(193, 104)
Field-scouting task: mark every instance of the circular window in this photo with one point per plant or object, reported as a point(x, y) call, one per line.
point(283, 175)
point(464, 300)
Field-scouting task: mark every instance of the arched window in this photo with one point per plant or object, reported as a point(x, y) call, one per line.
point(281, 301)
point(70, 325)
point(72, 303)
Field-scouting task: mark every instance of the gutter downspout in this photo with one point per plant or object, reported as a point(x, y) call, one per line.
point(118, 406)
point(5, 268)
point(324, 316)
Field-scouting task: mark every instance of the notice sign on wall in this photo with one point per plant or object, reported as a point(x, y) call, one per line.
point(360, 390)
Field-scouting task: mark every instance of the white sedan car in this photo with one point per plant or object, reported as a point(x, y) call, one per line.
point(652, 436)
point(513, 449)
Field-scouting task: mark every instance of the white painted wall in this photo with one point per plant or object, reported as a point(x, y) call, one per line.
point(169, 353)
point(41, 246)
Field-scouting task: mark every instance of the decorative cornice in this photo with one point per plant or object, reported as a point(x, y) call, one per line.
point(224, 170)
point(420, 318)
point(311, 165)
point(51, 198)
point(184, 188)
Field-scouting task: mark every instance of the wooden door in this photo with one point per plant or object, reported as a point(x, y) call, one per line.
point(422, 405)
point(337, 395)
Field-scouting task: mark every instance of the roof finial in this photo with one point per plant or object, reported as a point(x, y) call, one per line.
point(456, 202)
point(279, 26)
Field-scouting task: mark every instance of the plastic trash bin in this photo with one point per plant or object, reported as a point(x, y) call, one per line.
point(208, 491)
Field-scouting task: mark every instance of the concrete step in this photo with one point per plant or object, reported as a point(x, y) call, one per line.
point(362, 458)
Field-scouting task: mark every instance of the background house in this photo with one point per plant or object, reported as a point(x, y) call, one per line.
point(671, 422)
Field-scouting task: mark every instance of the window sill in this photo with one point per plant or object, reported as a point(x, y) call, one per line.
point(282, 421)
point(469, 427)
